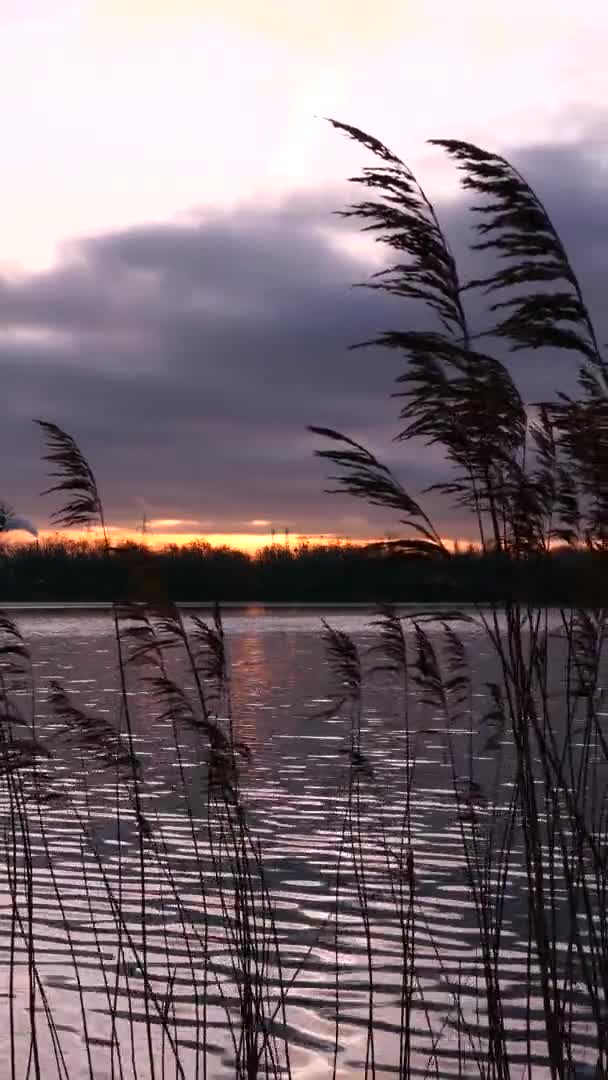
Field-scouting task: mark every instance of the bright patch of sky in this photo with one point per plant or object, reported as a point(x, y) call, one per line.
point(119, 111)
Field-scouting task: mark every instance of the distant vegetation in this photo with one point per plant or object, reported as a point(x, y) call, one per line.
point(79, 571)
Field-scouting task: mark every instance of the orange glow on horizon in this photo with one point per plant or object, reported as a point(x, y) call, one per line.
point(246, 542)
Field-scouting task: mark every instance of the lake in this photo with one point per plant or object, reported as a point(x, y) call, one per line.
point(86, 913)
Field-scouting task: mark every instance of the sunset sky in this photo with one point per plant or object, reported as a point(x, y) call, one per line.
point(174, 290)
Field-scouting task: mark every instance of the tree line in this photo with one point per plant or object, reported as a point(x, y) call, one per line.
point(83, 571)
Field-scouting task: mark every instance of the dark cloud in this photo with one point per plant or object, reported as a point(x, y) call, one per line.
point(187, 359)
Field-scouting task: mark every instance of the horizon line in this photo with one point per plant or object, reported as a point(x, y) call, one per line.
point(248, 543)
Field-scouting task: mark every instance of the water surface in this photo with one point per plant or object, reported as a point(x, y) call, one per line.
point(295, 790)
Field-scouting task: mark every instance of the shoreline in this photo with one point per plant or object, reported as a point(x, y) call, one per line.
point(264, 605)
point(242, 605)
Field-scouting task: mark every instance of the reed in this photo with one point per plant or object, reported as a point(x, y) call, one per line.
point(527, 484)
point(205, 967)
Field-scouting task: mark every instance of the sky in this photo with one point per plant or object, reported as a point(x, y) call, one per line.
point(175, 290)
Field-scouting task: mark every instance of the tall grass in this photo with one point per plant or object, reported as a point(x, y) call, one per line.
point(529, 478)
point(527, 483)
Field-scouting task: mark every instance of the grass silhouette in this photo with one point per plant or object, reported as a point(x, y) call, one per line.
point(529, 480)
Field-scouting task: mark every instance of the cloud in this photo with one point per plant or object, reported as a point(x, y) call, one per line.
point(178, 523)
point(188, 358)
